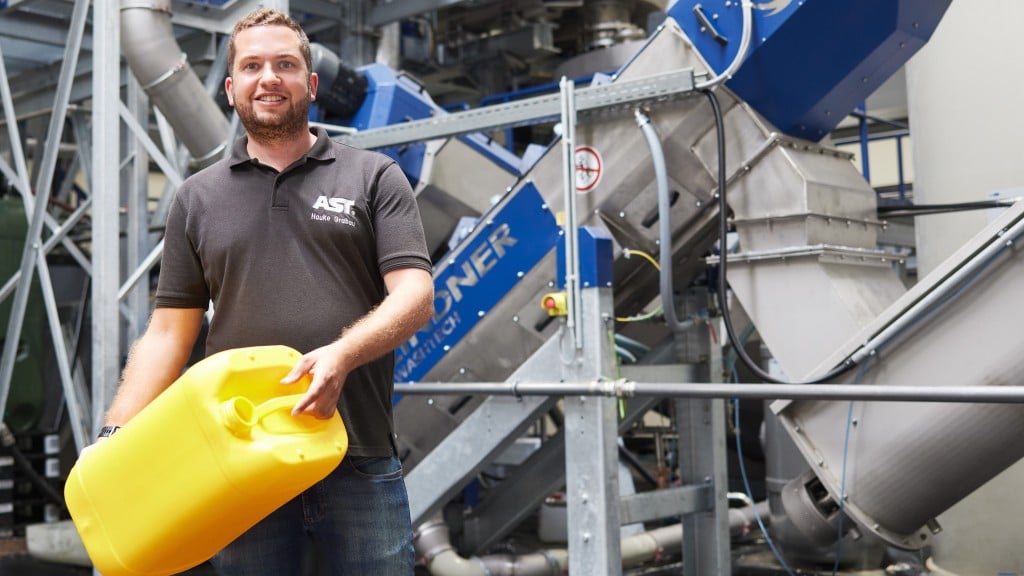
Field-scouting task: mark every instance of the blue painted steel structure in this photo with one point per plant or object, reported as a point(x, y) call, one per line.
point(393, 98)
point(596, 254)
point(812, 61)
point(511, 240)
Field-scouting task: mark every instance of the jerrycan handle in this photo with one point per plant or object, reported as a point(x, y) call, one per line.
point(240, 415)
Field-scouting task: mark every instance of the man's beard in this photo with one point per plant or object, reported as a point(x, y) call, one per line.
point(291, 123)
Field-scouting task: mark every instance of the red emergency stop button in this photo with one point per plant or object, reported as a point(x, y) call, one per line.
point(554, 304)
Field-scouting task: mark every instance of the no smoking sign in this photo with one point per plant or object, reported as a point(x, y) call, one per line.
point(588, 169)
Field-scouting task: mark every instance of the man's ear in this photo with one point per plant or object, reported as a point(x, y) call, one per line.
point(227, 89)
point(314, 82)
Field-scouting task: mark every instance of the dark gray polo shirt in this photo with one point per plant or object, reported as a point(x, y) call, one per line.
point(294, 257)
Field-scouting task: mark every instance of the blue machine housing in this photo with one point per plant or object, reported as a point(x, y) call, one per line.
point(595, 251)
point(811, 62)
point(394, 98)
point(473, 280)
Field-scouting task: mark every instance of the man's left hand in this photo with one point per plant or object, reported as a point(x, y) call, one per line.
point(328, 368)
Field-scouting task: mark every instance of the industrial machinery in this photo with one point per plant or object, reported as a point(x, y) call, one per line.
point(678, 218)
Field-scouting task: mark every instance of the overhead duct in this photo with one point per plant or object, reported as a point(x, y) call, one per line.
point(156, 60)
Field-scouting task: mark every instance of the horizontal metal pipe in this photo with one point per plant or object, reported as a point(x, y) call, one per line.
point(628, 389)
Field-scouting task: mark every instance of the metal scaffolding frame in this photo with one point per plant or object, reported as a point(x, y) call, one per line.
point(33, 260)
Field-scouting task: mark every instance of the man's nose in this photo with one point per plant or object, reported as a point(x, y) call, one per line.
point(269, 75)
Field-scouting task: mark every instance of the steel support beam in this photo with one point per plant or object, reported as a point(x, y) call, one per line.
point(591, 446)
point(491, 428)
point(661, 87)
point(702, 462)
point(700, 427)
point(529, 484)
point(106, 192)
point(136, 178)
point(671, 502)
point(34, 30)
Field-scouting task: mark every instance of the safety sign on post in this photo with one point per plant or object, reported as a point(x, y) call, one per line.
point(588, 169)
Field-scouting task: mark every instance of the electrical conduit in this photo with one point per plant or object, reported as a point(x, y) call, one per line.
point(668, 304)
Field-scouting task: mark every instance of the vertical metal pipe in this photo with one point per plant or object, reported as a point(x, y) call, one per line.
point(571, 226)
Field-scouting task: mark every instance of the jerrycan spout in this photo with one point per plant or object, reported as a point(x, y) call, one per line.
point(238, 416)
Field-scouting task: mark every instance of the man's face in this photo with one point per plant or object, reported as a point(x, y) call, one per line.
point(270, 86)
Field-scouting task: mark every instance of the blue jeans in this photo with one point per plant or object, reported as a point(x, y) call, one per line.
point(357, 517)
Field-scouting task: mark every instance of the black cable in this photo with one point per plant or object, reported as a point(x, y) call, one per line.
point(927, 209)
point(723, 229)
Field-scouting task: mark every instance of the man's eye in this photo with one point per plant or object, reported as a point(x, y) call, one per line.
point(287, 65)
point(250, 66)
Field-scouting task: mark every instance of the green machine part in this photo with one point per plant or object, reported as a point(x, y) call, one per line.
point(27, 398)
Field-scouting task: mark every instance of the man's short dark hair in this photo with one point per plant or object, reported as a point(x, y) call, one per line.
point(269, 17)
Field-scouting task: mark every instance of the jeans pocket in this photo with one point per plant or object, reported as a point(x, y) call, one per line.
point(377, 469)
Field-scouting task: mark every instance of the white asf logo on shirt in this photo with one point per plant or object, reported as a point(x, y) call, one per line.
point(336, 205)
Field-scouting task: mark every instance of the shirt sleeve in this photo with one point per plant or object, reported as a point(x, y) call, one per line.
point(397, 224)
point(182, 283)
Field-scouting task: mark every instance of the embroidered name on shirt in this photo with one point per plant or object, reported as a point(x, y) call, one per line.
point(341, 209)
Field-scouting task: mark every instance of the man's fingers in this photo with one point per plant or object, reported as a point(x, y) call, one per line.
point(305, 402)
point(313, 408)
point(301, 367)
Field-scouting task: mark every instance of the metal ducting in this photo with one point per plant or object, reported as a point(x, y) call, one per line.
point(435, 550)
point(156, 60)
point(893, 467)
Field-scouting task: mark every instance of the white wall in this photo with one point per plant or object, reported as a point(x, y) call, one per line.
point(965, 91)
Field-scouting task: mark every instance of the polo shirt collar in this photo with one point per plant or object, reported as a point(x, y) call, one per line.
point(321, 150)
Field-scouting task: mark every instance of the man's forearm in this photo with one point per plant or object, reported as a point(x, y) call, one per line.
point(155, 362)
point(408, 306)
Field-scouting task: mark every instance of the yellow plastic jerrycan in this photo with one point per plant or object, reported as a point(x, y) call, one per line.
point(211, 456)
